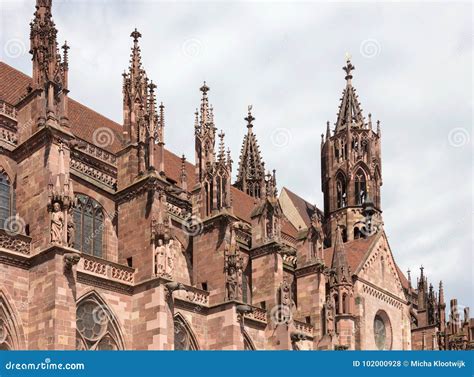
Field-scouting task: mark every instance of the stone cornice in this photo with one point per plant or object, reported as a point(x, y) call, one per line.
point(40, 138)
point(104, 283)
point(314, 268)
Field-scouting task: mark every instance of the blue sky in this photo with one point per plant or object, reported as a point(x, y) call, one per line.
point(413, 72)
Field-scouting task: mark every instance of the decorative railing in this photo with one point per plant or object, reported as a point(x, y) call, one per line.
point(193, 295)
point(106, 269)
point(257, 314)
point(8, 110)
point(243, 237)
point(96, 174)
point(100, 154)
point(15, 242)
point(304, 327)
point(8, 136)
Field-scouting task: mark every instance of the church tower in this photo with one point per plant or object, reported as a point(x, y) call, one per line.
point(351, 169)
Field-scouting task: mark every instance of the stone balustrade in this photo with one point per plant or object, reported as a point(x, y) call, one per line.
point(106, 269)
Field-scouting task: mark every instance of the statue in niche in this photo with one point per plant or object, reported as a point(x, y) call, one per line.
point(170, 255)
point(233, 270)
point(160, 258)
point(285, 293)
point(232, 283)
point(71, 232)
point(57, 224)
point(329, 315)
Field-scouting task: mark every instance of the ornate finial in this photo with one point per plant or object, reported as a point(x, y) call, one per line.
point(204, 88)
point(65, 47)
point(421, 269)
point(135, 35)
point(348, 68)
point(196, 119)
point(249, 117)
point(151, 86)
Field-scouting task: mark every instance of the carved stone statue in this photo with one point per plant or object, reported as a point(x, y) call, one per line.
point(233, 269)
point(170, 256)
point(57, 224)
point(232, 284)
point(71, 232)
point(329, 315)
point(160, 258)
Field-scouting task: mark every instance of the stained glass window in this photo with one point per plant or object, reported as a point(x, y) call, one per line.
point(96, 329)
point(89, 226)
point(183, 339)
point(380, 332)
point(5, 199)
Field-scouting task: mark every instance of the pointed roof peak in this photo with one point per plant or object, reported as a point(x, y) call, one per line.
point(350, 111)
point(339, 259)
point(251, 170)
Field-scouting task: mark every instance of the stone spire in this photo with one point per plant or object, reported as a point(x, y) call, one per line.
point(205, 135)
point(339, 261)
point(251, 173)
point(50, 70)
point(350, 112)
point(135, 94)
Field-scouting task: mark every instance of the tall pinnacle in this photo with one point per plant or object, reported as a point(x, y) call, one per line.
point(339, 260)
point(350, 112)
point(251, 171)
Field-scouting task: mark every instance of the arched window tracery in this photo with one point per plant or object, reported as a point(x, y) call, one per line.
point(184, 339)
point(96, 326)
point(89, 226)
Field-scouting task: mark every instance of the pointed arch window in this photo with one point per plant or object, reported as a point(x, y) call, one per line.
point(96, 327)
point(360, 187)
point(7, 199)
point(89, 226)
point(183, 337)
point(341, 195)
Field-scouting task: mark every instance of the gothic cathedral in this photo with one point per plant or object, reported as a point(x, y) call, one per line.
point(108, 240)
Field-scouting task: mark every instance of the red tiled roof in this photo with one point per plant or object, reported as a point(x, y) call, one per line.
point(289, 229)
point(355, 252)
point(305, 209)
point(402, 277)
point(13, 84)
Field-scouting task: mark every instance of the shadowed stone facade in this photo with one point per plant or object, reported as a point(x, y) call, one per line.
point(110, 241)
